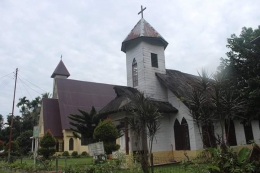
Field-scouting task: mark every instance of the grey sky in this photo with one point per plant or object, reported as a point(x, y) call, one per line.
point(89, 33)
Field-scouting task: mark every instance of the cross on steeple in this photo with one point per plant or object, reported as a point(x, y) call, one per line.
point(61, 57)
point(142, 10)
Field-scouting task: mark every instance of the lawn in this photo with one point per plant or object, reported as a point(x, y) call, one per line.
point(83, 161)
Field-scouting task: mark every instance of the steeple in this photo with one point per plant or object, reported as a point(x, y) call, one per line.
point(145, 32)
point(60, 70)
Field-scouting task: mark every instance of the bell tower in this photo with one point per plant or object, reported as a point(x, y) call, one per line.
point(59, 72)
point(144, 48)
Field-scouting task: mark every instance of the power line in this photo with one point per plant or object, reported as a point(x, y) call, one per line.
point(6, 75)
point(24, 86)
point(29, 86)
point(32, 83)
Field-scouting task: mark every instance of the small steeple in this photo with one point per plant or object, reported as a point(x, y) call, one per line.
point(143, 30)
point(60, 70)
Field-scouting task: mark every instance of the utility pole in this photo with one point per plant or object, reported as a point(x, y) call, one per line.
point(11, 127)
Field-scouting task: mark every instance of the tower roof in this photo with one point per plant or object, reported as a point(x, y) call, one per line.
point(60, 70)
point(143, 30)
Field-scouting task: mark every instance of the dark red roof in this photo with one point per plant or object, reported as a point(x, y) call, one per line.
point(74, 95)
point(143, 30)
point(51, 114)
point(60, 70)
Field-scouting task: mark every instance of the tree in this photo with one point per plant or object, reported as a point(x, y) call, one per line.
point(47, 144)
point(84, 124)
point(24, 142)
point(107, 132)
point(24, 104)
point(242, 66)
point(47, 95)
point(144, 122)
point(211, 100)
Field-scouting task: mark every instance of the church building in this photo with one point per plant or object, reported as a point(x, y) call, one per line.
point(145, 64)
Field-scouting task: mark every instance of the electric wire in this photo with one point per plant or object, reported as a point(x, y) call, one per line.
point(6, 75)
point(24, 86)
point(29, 86)
point(32, 83)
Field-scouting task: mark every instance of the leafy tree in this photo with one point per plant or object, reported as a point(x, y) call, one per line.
point(84, 124)
point(14, 148)
point(107, 132)
point(24, 104)
point(144, 122)
point(47, 144)
point(47, 95)
point(211, 101)
point(24, 142)
point(242, 66)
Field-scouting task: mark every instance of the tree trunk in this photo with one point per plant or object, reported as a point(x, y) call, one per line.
point(144, 153)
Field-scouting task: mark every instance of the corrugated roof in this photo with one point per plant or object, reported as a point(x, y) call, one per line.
point(74, 95)
point(143, 30)
point(60, 70)
point(51, 114)
point(178, 82)
point(120, 103)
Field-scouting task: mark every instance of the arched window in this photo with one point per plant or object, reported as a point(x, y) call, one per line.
point(248, 132)
point(185, 134)
point(177, 135)
point(230, 133)
point(181, 133)
point(134, 73)
point(208, 136)
point(71, 144)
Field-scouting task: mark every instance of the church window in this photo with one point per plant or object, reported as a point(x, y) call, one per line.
point(248, 132)
point(154, 60)
point(230, 133)
point(208, 136)
point(181, 133)
point(71, 144)
point(134, 73)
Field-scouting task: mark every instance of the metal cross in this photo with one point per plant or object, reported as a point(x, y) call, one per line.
point(61, 57)
point(142, 10)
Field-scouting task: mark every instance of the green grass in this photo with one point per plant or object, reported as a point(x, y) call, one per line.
point(83, 161)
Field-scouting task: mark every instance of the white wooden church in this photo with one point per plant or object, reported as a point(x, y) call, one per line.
point(145, 64)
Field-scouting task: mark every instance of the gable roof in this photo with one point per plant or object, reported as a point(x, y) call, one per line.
point(51, 114)
point(143, 30)
point(60, 70)
point(74, 95)
point(178, 82)
point(121, 102)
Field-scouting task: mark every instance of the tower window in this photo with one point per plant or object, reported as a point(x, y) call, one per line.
point(154, 60)
point(134, 73)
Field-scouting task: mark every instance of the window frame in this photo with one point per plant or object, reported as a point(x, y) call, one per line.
point(154, 60)
point(134, 73)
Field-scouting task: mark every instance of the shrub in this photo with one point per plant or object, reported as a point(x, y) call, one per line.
point(74, 154)
point(107, 132)
point(65, 153)
point(47, 144)
point(84, 153)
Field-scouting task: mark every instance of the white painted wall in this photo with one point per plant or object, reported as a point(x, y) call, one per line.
point(147, 81)
point(183, 111)
point(240, 133)
point(256, 130)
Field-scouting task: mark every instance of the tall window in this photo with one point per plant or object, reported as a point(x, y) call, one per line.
point(230, 133)
point(154, 60)
point(248, 132)
point(181, 133)
point(208, 136)
point(71, 144)
point(134, 73)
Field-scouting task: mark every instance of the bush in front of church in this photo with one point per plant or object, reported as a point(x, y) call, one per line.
point(47, 144)
point(107, 132)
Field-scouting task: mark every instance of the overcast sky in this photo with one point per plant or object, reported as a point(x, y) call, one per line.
point(89, 33)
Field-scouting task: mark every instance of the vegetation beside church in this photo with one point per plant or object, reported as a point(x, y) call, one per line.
point(107, 132)
point(47, 145)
